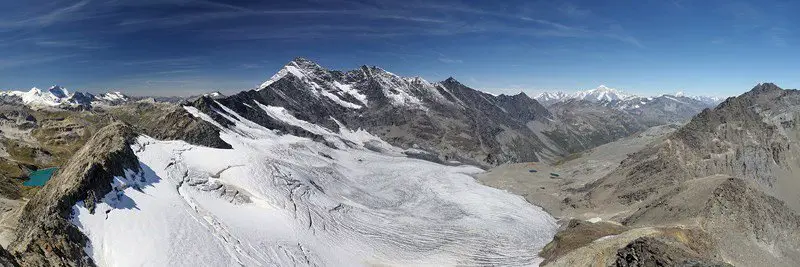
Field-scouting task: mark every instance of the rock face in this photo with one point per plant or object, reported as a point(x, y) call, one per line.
point(448, 119)
point(6, 259)
point(46, 237)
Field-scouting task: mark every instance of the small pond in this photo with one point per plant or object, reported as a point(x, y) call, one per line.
point(40, 177)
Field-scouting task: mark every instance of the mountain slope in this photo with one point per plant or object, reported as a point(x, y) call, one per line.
point(720, 189)
point(447, 120)
point(733, 167)
point(589, 123)
point(664, 109)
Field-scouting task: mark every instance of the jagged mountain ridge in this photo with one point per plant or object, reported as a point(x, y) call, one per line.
point(449, 120)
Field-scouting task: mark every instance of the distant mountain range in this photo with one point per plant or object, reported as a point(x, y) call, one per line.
point(651, 111)
point(58, 96)
point(605, 94)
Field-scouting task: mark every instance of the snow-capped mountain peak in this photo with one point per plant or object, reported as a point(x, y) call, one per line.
point(548, 96)
point(349, 89)
point(299, 67)
point(601, 93)
point(213, 94)
point(58, 96)
point(54, 96)
point(112, 96)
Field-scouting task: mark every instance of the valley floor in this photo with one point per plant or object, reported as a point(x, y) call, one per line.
point(542, 189)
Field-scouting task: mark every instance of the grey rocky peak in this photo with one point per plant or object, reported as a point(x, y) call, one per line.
point(765, 87)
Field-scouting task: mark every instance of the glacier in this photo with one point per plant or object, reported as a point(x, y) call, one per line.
point(283, 200)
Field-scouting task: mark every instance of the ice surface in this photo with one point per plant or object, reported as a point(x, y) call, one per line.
point(286, 201)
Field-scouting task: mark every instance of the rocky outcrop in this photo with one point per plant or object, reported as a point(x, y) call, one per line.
point(660, 251)
point(576, 234)
point(45, 235)
point(6, 259)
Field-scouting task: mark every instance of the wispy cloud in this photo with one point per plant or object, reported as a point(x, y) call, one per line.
point(179, 61)
point(61, 14)
point(411, 18)
point(572, 10)
point(450, 60)
point(82, 44)
point(13, 62)
point(778, 36)
point(250, 66)
point(749, 20)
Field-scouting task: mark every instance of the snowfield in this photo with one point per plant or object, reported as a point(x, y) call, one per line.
point(285, 200)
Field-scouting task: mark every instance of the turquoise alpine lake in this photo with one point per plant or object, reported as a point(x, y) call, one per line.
point(40, 177)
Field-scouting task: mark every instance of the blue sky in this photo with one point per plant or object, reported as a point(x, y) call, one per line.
point(179, 47)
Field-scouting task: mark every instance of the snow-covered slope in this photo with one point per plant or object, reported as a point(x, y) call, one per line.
point(112, 97)
point(283, 200)
point(349, 89)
